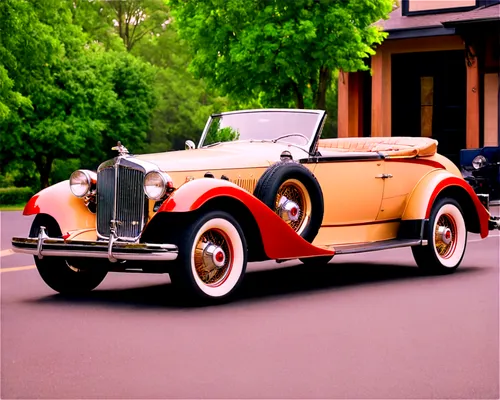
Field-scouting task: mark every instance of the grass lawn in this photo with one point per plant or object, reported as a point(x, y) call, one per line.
point(5, 207)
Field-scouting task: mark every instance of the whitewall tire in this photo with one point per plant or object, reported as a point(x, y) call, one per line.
point(447, 238)
point(212, 257)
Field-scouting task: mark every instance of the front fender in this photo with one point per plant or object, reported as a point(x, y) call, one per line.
point(68, 210)
point(422, 198)
point(279, 240)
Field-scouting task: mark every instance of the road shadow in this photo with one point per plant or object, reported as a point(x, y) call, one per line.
point(259, 285)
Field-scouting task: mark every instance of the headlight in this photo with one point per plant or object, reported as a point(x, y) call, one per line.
point(479, 162)
point(156, 184)
point(80, 183)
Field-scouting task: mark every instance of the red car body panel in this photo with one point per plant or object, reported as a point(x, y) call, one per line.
point(279, 240)
point(482, 212)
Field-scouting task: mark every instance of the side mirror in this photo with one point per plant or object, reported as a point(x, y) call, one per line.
point(189, 145)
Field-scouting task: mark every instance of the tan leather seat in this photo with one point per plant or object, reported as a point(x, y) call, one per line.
point(400, 146)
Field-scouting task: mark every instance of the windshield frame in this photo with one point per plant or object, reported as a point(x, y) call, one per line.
point(309, 146)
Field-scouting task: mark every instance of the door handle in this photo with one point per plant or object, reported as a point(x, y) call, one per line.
point(383, 176)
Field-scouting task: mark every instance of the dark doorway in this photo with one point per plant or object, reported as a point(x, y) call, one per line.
point(429, 98)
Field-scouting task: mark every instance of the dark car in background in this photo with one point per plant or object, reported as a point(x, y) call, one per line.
point(481, 169)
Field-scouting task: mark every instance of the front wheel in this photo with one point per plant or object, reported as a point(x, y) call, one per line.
point(212, 257)
point(447, 239)
point(65, 276)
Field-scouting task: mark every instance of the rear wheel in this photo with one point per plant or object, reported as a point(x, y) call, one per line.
point(64, 275)
point(447, 239)
point(212, 257)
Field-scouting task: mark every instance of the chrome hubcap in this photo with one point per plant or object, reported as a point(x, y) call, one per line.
point(288, 210)
point(293, 205)
point(212, 257)
point(446, 235)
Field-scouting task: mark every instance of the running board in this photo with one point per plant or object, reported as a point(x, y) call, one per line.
point(375, 246)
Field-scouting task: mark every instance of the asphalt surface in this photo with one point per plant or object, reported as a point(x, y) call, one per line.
point(364, 326)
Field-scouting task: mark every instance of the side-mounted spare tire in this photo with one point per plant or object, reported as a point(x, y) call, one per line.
point(293, 193)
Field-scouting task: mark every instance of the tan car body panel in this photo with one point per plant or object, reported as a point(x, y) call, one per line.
point(406, 176)
point(350, 205)
point(416, 207)
point(353, 234)
point(69, 211)
point(225, 156)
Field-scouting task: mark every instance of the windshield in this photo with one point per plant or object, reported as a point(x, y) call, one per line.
point(289, 126)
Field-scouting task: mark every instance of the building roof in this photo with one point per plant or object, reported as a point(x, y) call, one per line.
point(400, 26)
point(487, 13)
point(397, 21)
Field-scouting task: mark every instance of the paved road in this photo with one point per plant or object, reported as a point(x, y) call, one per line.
point(365, 326)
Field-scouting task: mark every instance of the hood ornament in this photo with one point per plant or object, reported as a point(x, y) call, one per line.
point(122, 150)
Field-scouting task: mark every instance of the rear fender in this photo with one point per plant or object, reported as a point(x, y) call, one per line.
point(439, 183)
point(68, 210)
point(279, 240)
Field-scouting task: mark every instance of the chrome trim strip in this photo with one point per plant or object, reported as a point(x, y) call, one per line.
point(376, 246)
point(205, 131)
point(114, 251)
point(115, 200)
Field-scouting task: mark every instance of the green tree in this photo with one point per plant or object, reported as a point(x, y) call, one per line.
point(217, 134)
point(279, 51)
point(129, 20)
point(82, 98)
point(184, 103)
point(96, 20)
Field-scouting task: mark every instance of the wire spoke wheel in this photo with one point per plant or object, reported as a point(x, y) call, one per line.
point(447, 238)
point(213, 257)
point(293, 204)
point(445, 235)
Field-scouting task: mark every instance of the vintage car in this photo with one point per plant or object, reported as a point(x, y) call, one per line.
point(481, 169)
point(260, 185)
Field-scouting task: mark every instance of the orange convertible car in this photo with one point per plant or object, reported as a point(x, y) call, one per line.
point(261, 184)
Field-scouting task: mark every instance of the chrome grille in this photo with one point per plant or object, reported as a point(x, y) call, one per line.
point(105, 200)
point(130, 202)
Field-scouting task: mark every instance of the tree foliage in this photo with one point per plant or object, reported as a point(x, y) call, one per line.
point(184, 103)
point(76, 76)
point(129, 20)
point(82, 99)
point(280, 50)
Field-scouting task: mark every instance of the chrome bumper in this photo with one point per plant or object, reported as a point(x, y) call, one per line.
point(114, 250)
point(494, 223)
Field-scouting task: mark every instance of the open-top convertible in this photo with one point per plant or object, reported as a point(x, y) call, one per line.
point(260, 185)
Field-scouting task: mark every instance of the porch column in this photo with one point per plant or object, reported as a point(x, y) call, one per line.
point(381, 93)
point(349, 101)
point(472, 118)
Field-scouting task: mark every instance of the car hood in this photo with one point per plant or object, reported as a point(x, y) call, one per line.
point(222, 156)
